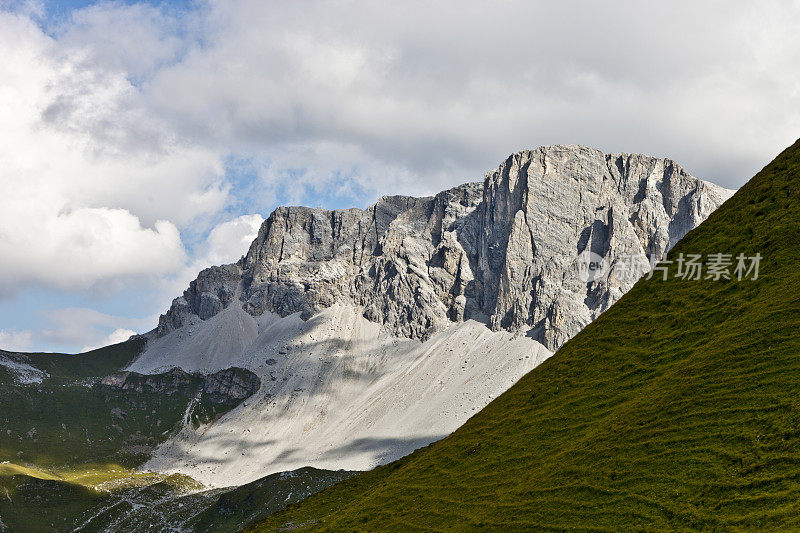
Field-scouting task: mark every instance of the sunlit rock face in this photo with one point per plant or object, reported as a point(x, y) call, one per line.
point(543, 209)
point(505, 252)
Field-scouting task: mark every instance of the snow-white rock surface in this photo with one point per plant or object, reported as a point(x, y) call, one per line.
point(338, 391)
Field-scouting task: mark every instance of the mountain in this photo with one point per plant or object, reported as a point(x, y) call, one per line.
point(676, 409)
point(504, 249)
point(375, 332)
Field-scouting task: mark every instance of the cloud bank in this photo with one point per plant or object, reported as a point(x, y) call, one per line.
point(142, 142)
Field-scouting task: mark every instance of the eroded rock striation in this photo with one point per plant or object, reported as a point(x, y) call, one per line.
point(505, 251)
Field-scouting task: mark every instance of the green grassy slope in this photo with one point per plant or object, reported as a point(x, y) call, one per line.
point(678, 408)
point(33, 503)
point(72, 418)
point(263, 497)
point(34, 500)
point(159, 507)
point(70, 444)
point(97, 362)
point(69, 419)
point(67, 444)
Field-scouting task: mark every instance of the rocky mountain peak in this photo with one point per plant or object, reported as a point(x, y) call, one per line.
point(504, 251)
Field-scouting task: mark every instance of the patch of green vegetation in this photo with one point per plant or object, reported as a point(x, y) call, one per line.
point(33, 503)
point(59, 424)
point(159, 506)
point(37, 500)
point(156, 507)
point(69, 445)
point(74, 417)
point(94, 363)
point(10, 469)
point(679, 408)
point(254, 501)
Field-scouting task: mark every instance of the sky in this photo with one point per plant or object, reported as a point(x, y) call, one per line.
point(143, 141)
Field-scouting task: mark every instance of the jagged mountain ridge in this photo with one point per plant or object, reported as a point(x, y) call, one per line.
point(503, 251)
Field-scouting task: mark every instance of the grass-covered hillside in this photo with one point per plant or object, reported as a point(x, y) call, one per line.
point(73, 430)
point(679, 408)
point(248, 503)
point(71, 416)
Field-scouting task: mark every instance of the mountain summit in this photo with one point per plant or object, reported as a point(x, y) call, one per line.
point(503, 251)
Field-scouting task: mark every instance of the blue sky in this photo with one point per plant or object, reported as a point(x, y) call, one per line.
point(60, 11)
point(143, 141)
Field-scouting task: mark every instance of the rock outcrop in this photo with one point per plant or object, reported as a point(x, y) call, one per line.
point(210, 293)
point(225, 387)
point(231, 385)
point(507, 251)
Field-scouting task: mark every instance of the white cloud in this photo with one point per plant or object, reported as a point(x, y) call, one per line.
point(78, 249)
point(16, 340)
point(230, 240)
point(87, 328)
point(444, 91)
point(133, 39)
point(115, 337)
point(85, 197)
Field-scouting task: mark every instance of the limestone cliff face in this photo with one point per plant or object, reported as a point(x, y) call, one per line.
point(545, 207)
point(505, 251)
